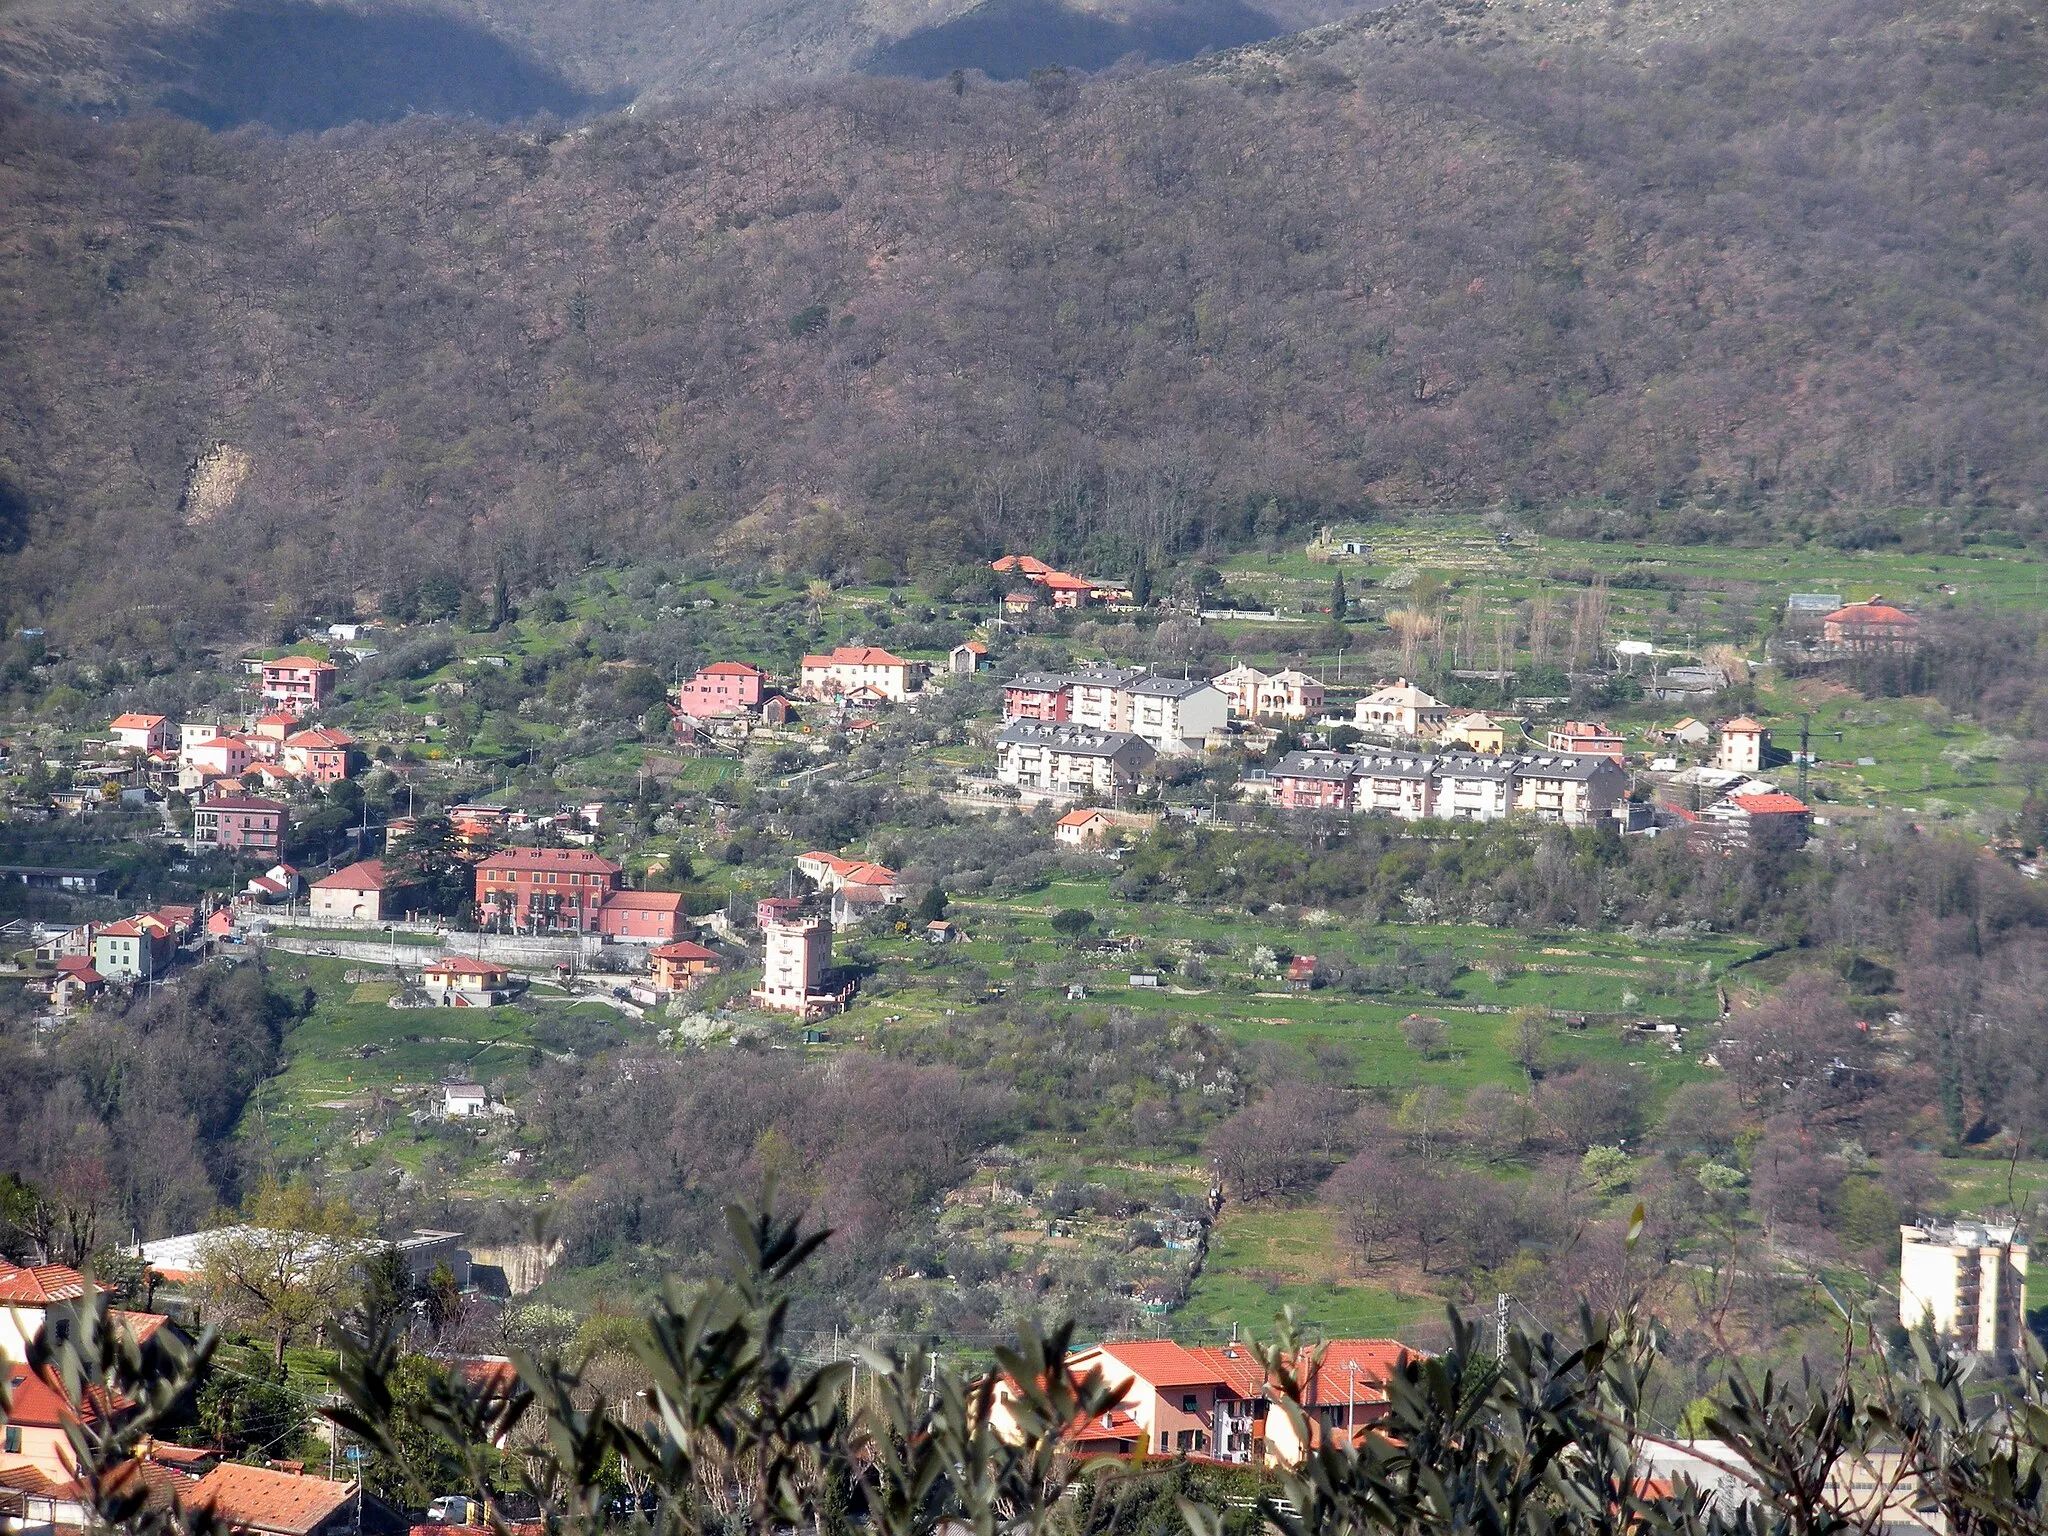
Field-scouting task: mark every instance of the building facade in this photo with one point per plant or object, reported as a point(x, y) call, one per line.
point(1575, 789)
point(1585, 736)
point(1069, 759)
point(1174, 715)
point(354, 892)
point(321, 756)
point(241, 823)
point(1401, 709)
point(1743, 746)
point(647, 917)
point(299, 684)
point(1967, 1281)
point(545, 890)
point(1872, 627)
point(1255, 695)
point(723, 688)
point(850, 669)
point(143, 733)
point(796, 954)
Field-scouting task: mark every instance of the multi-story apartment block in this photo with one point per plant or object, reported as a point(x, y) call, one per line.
point(300, 684)
point(242, 823)
point(1069, 759)
point(1172, 715)
point(1968, 1281)
point(1574, 789)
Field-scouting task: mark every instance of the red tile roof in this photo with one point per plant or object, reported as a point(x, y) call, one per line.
point(730, 669)
point(856, 656)
point(136, 722)
point(549, 858)
point(644, 901)
point(1770, 805)
point(1236, 1367)
point(1376, 1359)
point(1163, 1363)
point(1870, 613)
point(238, 803)
point(1079, 818)
point(37, 1399)
point(300, 662)
point(462, 965)
point(259, 1499)
point(365, 875)
point(320, 736)
point(683, 949)
point(1060, 581)
point(492, 1373)
point(41, 1285)
point(1741, 723)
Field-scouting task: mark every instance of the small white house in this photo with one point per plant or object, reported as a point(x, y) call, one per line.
point(462, 1101)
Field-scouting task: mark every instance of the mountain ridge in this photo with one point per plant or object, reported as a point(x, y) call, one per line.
point(874, 319)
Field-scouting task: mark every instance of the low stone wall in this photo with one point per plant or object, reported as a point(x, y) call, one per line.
point(586, 952)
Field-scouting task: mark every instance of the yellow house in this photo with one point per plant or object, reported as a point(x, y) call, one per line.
point(1478, 733)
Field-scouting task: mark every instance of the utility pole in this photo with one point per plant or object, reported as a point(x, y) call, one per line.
point(1805, 721)
point(1500, 1325)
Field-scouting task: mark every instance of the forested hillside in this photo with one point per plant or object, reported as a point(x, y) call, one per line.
point(1434, 260)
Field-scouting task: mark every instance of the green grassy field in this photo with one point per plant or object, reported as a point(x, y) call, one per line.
point(1263, 1260)
point(1705, 592)
point(353, 1050)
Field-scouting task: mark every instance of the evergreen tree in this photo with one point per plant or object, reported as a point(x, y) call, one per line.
point(1338, 605)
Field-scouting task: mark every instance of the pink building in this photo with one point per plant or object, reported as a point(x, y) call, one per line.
point(723, 688)
point(299, 684)
point(240, 823)
point(1035, 696)
point(320, 755)
point(223, 757)
point(653, 916)
point(796, 954)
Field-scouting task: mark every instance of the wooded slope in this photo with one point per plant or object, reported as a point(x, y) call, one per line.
point(1413, 259)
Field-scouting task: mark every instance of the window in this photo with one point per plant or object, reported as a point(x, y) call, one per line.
point(1187, 1402)
point(1164, 1443)
point(13, 1441)
point(1185, 1441)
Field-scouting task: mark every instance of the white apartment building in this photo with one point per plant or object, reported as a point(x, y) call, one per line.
point(1174, 715)
point(1969, 1280)
point(1099, 698)
point(1474, 786)
point(1070, 759)
point(1577, 790)
point(1170, 714)
point(1572, 788)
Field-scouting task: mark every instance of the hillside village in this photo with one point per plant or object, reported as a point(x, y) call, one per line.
point(1094, 739)
point(1241, 823)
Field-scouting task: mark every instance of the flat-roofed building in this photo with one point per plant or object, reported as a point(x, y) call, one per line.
point(1967, 1281)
